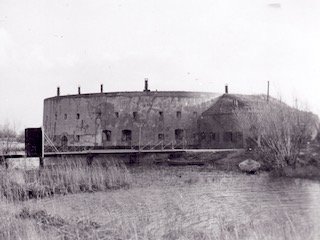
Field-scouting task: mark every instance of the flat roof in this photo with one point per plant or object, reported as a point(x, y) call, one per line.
point(138, 93)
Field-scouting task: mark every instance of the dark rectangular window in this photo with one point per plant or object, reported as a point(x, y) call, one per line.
point(126, 135)
point(78, 138)
point(161, 136)
point(65, 116)
point(106, 135)
point(195, 136)
point(78, 115)
point(238, 137)
point(116, 114)
point(178, 114)
point(56, 116)
point(203, 136)
point(160, 116)
point(227, 137)
point(195, 114)
point(135, 115)
point(213, 136)
point(179, 134)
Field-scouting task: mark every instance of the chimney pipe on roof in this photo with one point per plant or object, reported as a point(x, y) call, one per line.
point(58, 91)
point(101, 88)
point(226, 89)
point(146, 85)
point(79, 90)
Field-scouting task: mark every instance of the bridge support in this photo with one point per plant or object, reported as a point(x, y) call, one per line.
point(41, 162)
point(89, 159)
point(134, 158)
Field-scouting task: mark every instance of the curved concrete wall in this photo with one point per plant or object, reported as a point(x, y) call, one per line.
point(124, 119)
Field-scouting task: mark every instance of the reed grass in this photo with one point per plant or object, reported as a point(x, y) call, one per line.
point(68, 177)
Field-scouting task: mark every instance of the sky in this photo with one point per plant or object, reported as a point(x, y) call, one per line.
point(181, 45)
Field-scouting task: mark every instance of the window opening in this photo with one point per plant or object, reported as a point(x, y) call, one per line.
point(161, 136)
point(227, 137)
point(213, 136)
point(179, 134)
point(135, 115)
point(107, 135)
point(126, 135)
point(161, 116)
point(203, 136)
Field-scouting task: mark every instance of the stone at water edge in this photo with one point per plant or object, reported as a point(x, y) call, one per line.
point(249, 165)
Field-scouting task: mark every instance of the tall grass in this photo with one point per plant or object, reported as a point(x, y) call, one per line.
point(69, 176)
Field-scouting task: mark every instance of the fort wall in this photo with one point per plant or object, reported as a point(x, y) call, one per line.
point(125, 119)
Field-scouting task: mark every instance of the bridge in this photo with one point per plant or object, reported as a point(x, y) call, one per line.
point(117, 151)
point(50, 150)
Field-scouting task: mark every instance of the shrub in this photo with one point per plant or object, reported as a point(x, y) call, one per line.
point(277, 130)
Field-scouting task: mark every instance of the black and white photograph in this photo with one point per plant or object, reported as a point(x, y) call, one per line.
point(159, 119)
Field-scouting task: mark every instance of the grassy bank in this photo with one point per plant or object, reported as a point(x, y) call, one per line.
point(68, 177)
point(307, 165)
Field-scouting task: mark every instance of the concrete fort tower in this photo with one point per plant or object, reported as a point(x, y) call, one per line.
point(124, 119)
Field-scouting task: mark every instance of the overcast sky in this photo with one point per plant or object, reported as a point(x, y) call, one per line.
point(179, 45)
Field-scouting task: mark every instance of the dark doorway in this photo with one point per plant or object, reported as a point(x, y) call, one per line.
point(179, 134)
point(64, 143)
point(126, 135)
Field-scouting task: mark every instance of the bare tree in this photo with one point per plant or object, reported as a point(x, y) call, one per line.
point(8, 139)
point(278, 130)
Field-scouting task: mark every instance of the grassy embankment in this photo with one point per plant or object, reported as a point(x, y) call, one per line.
point(307, 165)
point(154, 202)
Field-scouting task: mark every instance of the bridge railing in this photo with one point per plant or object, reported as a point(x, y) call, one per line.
point(49, 147)
point(162, 145)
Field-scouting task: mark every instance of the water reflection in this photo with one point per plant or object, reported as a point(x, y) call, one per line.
point(287, 203)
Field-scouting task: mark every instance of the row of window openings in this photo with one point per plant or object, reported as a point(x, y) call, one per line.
point(127, 135)
point(179, 135)
point(227, 136)
point(134, 115)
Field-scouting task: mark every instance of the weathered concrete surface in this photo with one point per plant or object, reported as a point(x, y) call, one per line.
point(218, 127)
point(99, 119)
